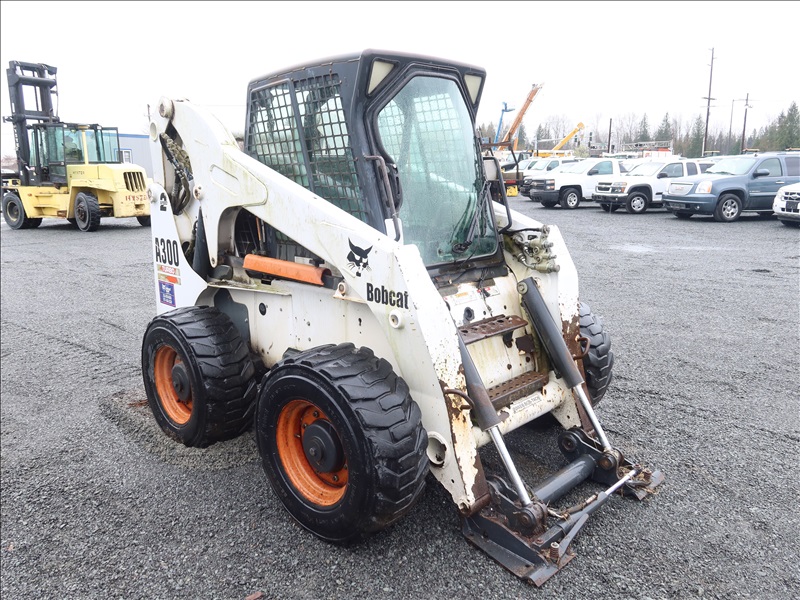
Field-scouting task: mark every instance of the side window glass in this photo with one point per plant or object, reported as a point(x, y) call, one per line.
point(604, 168)
point(691, 169)
point(674, 170)
point(793, 165)
point(773, 165)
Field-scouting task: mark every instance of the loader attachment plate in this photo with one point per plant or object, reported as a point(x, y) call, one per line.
point(533, 541)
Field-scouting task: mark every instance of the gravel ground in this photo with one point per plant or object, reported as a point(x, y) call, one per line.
point(98, 503)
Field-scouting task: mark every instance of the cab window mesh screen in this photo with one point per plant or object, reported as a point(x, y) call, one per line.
point(274, 139)
point(283, 134)
point(330, 155)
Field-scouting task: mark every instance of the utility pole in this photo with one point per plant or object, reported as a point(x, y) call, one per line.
point(708, 105)
point(744, 125)
point(609, 136)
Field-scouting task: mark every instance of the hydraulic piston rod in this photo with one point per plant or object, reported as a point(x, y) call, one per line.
point(557, 350)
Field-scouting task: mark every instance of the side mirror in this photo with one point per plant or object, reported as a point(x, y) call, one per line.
point(761, 173)
point(593, 172)
point(662, 175)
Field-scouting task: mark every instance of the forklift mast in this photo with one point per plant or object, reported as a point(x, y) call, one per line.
point(36, 83)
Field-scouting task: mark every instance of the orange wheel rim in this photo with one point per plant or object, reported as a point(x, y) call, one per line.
point(320, 488)
point(178, 411)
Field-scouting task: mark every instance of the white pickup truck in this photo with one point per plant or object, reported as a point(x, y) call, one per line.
point(572, 183)
point(642, 187)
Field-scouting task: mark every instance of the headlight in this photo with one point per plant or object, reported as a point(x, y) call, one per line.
point(704, 187)
point(550, 184)
point(618, 187)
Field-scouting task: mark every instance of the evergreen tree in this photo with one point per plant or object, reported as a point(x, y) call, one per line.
point(788, 133)
point(643, 134)
point(522, 137)
point(694, 146)
point(664, 131)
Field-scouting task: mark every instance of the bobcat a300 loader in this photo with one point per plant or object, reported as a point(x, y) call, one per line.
point(355, 288)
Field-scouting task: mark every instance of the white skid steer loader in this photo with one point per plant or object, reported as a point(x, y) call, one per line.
point(355, 289)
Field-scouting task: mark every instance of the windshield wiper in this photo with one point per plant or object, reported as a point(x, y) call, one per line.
point(461, 247)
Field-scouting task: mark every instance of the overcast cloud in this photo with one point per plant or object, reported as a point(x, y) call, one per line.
point(597, 61)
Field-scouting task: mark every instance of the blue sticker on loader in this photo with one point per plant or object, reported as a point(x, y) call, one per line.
point(166, 292)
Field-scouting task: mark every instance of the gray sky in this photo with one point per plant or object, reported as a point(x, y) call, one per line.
point(597, 60)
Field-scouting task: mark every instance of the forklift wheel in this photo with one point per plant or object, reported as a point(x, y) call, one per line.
point(341, 441)
point(14, 213)
point(144, 221)
point(198, 376)
point(87, 212)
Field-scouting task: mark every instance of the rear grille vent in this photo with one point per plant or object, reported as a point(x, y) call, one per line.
point(134, 181)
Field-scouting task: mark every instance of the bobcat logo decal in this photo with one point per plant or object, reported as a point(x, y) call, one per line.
point(357, 259)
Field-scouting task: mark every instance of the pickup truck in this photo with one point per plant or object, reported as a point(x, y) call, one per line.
point(733, 185)
point(643, 186)
point(572, 183)
point(541, 166)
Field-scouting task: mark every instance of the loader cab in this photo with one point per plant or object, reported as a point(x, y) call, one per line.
point(389, 138)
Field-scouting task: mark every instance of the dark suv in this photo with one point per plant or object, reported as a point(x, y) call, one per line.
point(735, 184)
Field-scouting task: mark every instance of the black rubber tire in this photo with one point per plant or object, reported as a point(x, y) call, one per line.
point(636, 203)
point(609, 208)
point(598, 364)
point(218, 375)
point(548, 204)
point(14, 212)
point(381, 441)
point(683, 215)
point(729, 208)
point(144, 221)
point(570, 198)
point(87, 212)
point(73, 222)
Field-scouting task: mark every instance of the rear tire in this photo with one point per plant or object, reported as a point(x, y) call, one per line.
point(598, 364)
point(198, 376)
point(570, 198)
point(87, 212)
point(341, 441)
point(144, 221)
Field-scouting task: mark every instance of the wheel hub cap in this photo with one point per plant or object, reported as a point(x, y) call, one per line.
point(180, 381)
point(322, 447)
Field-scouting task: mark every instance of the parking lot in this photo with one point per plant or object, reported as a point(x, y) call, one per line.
point(705, 325)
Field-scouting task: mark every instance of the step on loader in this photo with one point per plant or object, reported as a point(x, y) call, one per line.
point(354, 288)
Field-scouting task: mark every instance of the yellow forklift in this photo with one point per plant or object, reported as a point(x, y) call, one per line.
point(65, 170)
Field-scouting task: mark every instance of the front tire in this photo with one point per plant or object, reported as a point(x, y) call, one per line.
point(549, 204)
point(598, 363)
point(341, 441)
point(198, 376)
point(570, 198)
point(144, 221)
point(87, 212)
point(14, 213)
point(729, 208)
point(636, 203)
